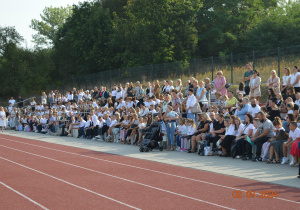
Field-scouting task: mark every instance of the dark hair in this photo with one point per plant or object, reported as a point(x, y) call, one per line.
point(241, 86)
point(273, 94)
point(221, 115)
point(256, 72)
point(293, 123)
point(250, 118)
point(191, 90)
point(274, 100)
point(231, 91)
point(291, 117)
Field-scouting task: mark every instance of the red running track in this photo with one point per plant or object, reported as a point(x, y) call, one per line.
point(53, 176)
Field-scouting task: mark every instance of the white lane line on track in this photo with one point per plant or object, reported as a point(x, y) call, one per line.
point(24, 196)
point(120, 178)
point(19, 164)
point(141, 168)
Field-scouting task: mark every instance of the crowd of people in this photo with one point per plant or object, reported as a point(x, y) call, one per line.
point(202, 117)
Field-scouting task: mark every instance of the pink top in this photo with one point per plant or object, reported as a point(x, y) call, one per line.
point(218, 84)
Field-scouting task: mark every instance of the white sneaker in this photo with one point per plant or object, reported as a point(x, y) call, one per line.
point(264, 160)
point(69, 134)
point(94, 139)
point(118, 141)
point(292, 162)
point(98, 137)
point(284, 160)
point(36, 131)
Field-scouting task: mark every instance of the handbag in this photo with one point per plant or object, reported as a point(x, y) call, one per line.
point(196, 108)
point(227, 85)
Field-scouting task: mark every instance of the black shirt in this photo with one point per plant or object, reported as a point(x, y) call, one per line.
point(219, 126)
point(20, 102)
point(273, 114)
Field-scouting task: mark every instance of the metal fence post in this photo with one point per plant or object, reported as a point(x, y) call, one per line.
point(152, 69)
point(231, 61)
point(253, 59)
point(129, 75)
point(119, 75)
point(110, 79)
point(64, 86)
point(79, 81)
point(165, 70)
point(195, 67)
point(93, 79)
point(140, 71)
point(278, 51)
point(86, 82)
point(212, 68)
point(179, 70)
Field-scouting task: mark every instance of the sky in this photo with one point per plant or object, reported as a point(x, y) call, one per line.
point(19, 13)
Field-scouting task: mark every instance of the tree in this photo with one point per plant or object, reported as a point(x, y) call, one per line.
point(222, 23)
point(8, 35)
point(82, 41)
point(155, 31)
point(53, 19)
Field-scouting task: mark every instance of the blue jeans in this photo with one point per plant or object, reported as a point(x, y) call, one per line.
point(190, 116)
point(170, 127)
point(178, 140)
point(299, 146)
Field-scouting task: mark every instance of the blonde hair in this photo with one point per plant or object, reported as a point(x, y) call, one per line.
point(220, 73)
point(205, 115)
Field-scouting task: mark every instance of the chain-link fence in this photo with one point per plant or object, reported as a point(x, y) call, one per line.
point(233, 67)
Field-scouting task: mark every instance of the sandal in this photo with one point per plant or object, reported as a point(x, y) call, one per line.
point(270, 161)
point(211, 153)
point(276, 161)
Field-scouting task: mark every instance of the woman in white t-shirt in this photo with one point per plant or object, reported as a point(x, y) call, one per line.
point(2, 118)
point(285, 80)
point(247, 130)
point(230, 135)
point(179, 86)
point(295, 79)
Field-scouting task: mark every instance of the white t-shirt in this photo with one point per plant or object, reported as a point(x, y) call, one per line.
point(12, 101)
point(142, 125)
point(129, 104)
point(181, 128)
point(114, 93)
point(82, 123)
point(285, 80)
point(231, 130)
point(294, 134)
point(191, 130)
point(113, 123)
point(70, 97)
point(169, 88)
point(294, 78)
point(249, 127)
point(254, 110)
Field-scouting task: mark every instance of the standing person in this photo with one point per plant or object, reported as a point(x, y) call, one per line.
point(247, 76)
point(44, 98)
point(20, 102)
point(285, 80)
point(295, 79)
point(190, 104)
point(274, 82)
point(179, 86)
point(255, 82)
point(187, 86)
point(171, 126)
point(220, 83)
point(156, 88)
point(207, 87)
point(12, 101)
point(2, 118)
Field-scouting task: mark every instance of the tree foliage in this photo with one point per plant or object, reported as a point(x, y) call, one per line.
point(53, 19)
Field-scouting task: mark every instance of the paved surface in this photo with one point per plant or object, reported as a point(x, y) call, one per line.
point(271, 173)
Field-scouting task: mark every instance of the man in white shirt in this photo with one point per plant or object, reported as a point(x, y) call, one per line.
point(190, 104)
point(152, 110)
point(81, 127)
point(254, 108)
point(12, 101)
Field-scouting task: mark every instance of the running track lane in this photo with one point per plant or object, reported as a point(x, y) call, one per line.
point(187, 187)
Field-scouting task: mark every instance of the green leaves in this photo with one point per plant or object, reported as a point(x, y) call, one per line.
point(53, 19)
